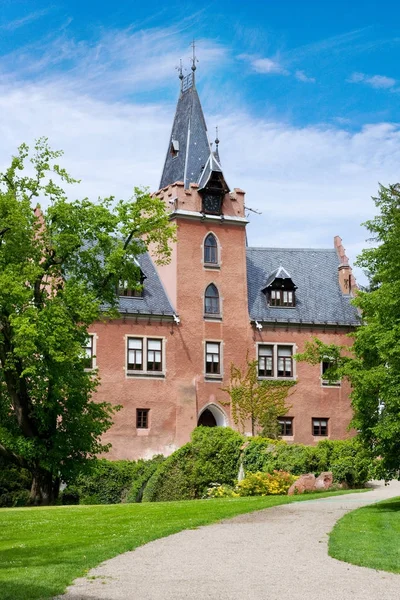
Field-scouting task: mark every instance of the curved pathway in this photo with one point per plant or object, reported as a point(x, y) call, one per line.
point(274, 554)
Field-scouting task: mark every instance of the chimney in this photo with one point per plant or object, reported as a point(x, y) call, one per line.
point(347, 281)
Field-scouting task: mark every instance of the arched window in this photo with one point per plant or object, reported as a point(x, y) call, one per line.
point(210, 250)
point(211, 300)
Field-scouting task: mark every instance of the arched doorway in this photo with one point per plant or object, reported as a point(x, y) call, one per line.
point(212, 416)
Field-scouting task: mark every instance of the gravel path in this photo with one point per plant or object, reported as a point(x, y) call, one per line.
point(274, 554)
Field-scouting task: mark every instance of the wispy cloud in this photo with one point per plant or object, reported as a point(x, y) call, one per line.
point(375, 81)
point(268, 66)
point(301, 76)
point(17, 23)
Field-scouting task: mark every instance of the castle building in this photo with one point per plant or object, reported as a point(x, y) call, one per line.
point(217, 302)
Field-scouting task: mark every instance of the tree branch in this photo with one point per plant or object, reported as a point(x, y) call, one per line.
point(14, 458)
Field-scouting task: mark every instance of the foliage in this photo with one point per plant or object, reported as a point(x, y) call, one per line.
point(34, 567)
point(260, 401)
point(216, 490)
point(111, 482)
point(374, 368)
point(265, 484)
point(369, 537)
point(212, 455)
point(15, 484)
point(348, 460)
point(58, 267)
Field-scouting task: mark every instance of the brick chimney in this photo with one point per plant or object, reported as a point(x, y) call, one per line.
point(347, 280)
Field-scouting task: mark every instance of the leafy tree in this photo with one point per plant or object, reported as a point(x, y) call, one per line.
point(374, 366)
point(260, 401)
point(59, 269)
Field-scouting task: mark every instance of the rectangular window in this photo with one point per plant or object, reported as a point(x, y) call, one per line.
point(320, 426)
point(124, 290)
point(326, 363)
point(286, 425)
point(135, 354)
point(285, 361)
point(275, 361)
point(144, 355)
point(265, 361)
point(213, 358)
point(282, 298)
point(210, 254)
point(154, 355)
point(142, 418)
point(89, 352)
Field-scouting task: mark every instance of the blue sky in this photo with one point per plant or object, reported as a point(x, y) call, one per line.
point(305, 94)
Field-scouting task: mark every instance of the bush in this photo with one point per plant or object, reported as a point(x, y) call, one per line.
point(347, 459)
point(212, 455)
point(15, 485)
point(265, 484)
point(111, 482)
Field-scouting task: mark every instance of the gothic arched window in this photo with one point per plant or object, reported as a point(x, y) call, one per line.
point(211, 300)
point(210, 250)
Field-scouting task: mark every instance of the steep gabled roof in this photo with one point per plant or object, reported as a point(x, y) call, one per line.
point(319, 298)
point(279, 273)
point(154, 300)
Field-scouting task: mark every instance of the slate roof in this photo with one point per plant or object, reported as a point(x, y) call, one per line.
point(190, 131)
point(319, 298)
point(155, 300)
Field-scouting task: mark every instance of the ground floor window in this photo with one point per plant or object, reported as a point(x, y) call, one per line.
point(286, 425)
point(320, 426)
point(142, 418)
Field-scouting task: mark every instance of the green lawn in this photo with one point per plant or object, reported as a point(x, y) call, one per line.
point(369, 537)
point(42, 550)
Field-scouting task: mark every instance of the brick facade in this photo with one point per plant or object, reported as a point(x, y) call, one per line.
point(177, 395)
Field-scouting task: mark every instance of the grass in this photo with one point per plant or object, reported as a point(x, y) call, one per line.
point(42, 550)
point(369, 537)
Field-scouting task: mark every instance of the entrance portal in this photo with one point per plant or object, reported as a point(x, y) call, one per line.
point(212, 416)
point(207, 419)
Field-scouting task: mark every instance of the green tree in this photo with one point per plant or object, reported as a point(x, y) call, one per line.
point(259, 401)
point(373, 368)
point(59, 268)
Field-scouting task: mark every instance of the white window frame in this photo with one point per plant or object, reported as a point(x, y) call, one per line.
point(324, 382)
point(144, 372)
point(213, 376)
point(275, 360)
point(93, 337)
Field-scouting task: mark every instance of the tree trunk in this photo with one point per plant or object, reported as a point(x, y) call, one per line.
point(44, 488)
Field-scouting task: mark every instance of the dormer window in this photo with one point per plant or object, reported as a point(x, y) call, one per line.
point(174, 148)
point(280, 289)
point(124, 290)
point(281, 298)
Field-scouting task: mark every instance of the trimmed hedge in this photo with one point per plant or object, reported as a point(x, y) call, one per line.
point(348, 460)
point(212, 456)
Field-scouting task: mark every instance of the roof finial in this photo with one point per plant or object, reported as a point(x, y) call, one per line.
point(180, 72)
point(194, 58)
point(216, 136)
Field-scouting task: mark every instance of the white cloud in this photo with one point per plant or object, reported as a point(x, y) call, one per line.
point(17, 23)
point(301, 76)
point(375, 81)
point(310, 183)
point(267, 66)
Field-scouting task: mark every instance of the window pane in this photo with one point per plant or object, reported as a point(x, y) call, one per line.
point(135, 343)
point(285, 350)
point(265, 350)
point(210, 249)
point(154, 344)
point(213, 348)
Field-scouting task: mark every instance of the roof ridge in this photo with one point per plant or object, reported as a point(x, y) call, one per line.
point(272, 248)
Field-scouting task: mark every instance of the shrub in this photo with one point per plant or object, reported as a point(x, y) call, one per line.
point(347, 459)
point(265, 484)
point(221, 491)
point(15, 484)
point(212, 455)
point(111, 482)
